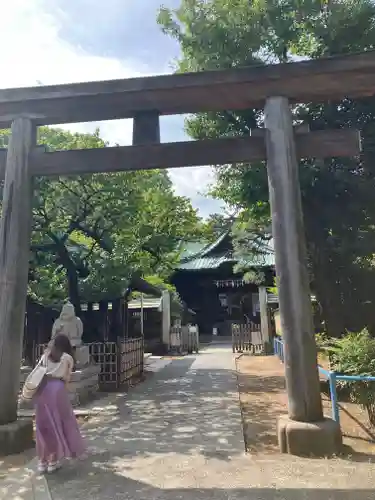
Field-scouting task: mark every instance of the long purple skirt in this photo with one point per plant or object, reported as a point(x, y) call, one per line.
point(57, 431)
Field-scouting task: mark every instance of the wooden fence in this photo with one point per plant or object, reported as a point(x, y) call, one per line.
point(131, 355)
point(247, 338)
point(184, 339)
point(120, 361)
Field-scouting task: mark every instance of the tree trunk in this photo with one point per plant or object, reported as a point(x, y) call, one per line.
point(73, 287)
point(326, 288)
point(71, 273)
point(328, 297)
point(15, 229)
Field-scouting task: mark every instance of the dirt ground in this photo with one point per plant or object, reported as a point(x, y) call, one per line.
point(263, 398)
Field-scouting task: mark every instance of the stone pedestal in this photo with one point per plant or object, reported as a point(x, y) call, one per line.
point(82, 356)
point(16, 436)
point(318, 439)
point(84, 384)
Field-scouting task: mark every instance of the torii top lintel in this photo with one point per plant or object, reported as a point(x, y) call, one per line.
point(234, 89)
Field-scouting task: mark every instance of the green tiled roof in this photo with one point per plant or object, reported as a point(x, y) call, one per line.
point(199, 257)
point(200, 263)
point(260, 260)
point(191, 248)
point(214, 262)
point(211, 246)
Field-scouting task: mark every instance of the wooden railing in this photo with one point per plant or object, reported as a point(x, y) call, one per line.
point(131, 357)
point(247, 337)
point(184, 339)
point(120, 361)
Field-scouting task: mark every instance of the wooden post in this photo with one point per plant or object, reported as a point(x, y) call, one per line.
point(264, 323)
point(166, 319)
point(301, 372)
point(146, 131)
point(15, 229)
point(142, 316)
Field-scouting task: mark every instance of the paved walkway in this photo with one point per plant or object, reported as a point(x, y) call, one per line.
point(179, 436)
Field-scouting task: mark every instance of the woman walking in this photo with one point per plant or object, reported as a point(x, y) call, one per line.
point(57, 432)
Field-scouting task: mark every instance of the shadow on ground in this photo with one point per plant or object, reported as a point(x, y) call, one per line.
point(263, 399)
point(179, 436)
point(179, 411)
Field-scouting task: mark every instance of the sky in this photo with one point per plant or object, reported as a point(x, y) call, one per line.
point(63, 41)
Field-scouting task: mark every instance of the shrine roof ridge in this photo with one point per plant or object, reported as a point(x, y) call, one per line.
point(216, 90)
point(206, 259)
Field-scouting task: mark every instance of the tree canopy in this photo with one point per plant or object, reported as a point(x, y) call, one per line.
point(337, 194)
point(92, 233)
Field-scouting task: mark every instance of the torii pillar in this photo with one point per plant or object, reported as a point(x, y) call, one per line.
point(15, 231)
point(304, 431)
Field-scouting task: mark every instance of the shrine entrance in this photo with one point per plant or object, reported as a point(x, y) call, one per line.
point(280, 144)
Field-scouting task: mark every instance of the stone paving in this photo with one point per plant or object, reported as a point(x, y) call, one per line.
point(178, 435)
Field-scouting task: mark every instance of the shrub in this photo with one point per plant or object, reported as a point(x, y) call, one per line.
point(323, 342)
point(354, 354)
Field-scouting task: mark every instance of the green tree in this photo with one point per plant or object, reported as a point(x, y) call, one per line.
point(147, 244)
point(92, 233)
point(216, 224)
point(337, 193)
point(73, 219)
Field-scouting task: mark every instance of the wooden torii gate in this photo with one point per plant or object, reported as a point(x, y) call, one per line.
point(145, 99)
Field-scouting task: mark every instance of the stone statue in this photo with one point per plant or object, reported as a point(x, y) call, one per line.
point(68, 324)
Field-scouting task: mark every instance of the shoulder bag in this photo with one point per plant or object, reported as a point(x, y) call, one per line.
point(34, 380)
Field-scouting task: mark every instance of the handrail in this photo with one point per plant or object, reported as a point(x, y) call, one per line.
point(332, 377)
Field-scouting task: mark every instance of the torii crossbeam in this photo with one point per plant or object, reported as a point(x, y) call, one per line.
point(145, 100)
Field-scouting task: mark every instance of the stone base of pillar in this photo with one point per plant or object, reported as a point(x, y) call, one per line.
point(84, 384)
point(16, 436)
point(317, 439)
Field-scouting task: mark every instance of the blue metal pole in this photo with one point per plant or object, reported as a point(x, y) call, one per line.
point(334, 402)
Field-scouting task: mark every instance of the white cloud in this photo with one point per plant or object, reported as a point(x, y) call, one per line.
point(39, 56)
point(34, 54)
point(193, 183)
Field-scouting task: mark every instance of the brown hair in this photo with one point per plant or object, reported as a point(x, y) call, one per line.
point(61, 344)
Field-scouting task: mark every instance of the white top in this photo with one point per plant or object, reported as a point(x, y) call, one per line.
point(62, 369)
